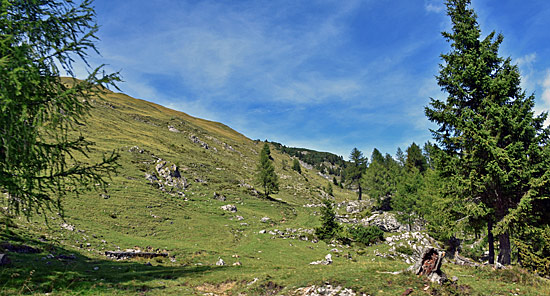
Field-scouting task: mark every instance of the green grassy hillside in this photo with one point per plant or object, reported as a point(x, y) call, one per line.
point(218, 165)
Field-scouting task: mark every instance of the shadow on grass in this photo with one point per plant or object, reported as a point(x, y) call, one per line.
point(53, 268)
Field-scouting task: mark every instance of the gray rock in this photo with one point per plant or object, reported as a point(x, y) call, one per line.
point(67, 226)
point(219, 197)
point(229, 208)
point(220, 262)
point(136, 149)
point(173, 129)
point(327, 261)
point(265, 219)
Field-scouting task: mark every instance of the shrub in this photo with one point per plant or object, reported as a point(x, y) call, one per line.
point(366, 235)
point(404, 250)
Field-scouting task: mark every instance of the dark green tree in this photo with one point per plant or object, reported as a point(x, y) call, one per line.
point(491, 139)
point(381, 179)
point(415, 159)
point(334, 181)
point(329, 228)
point(355, 171)
point(329, 190)
point(296, 166)
point(407, 199)
point(266, 172)
point(42, 156)
point(400, 156)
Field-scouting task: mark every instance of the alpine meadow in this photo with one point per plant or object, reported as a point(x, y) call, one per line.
point(106, 194)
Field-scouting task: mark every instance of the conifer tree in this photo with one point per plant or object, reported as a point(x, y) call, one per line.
point(296, 166)
point(356, 169)
point(266, 172)
point(490, 138)
point(42, 157)
point(415, 159)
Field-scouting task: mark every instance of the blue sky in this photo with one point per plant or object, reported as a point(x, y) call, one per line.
point(325, 75)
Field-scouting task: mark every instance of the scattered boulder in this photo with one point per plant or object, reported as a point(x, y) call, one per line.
point(67, 226)
point(220, 262)
point(136, 149)
point(219, 197)
point(196, 140)
point(120, 255)
point(385, 221)
point(326, 289)
point(327, 261)
point(167, 178)
point(265, 220)
point(173, 129)
point(229, 208)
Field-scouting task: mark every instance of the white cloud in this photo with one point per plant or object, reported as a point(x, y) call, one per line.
point(434, 6)
point(526, 67)
point(545, 98)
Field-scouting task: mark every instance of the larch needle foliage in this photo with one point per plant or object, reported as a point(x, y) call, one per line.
point(41, 152)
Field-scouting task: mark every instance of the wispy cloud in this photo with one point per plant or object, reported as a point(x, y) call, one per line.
point(435, 6)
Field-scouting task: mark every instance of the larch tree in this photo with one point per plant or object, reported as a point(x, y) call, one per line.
point(356, 169)
point(42, 156)
point(492, 142)
point(266, 172)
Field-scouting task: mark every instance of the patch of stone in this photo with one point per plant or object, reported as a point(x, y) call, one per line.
point(173, 129)
point(230, 208)
point(167, 178)
point(68, 227)
point(219, 197)
point(136, 149)
point(132, 253)
point(265, 219)
point(326, 290)
point(291, 233)
point(416, 241)
point(326, 261)
point(220, 262)
point(203, 144)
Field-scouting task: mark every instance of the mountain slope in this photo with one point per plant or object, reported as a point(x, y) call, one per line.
point(151, 205)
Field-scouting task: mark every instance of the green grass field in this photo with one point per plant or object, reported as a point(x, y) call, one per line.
point(196, 232)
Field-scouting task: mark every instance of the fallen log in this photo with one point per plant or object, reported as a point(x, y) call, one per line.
point(126, 255)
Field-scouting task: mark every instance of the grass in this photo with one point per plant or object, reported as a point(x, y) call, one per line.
point(196, 232)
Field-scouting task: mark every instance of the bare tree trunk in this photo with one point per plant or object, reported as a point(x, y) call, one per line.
point(491, 241)
point(504, 249)
point(360, 190)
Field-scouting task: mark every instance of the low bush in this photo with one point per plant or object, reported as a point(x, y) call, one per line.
point(366, 235)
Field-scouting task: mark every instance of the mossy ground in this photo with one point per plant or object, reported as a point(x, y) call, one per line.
point(196, 232)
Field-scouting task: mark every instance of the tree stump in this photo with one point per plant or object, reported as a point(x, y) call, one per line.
point(429, 265)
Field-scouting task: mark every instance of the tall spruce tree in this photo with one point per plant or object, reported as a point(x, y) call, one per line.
point(266, 172)
point(491, 139)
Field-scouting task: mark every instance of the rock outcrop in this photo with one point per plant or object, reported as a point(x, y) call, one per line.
point(167, 177)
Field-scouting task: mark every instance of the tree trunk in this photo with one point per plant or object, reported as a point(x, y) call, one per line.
point(491, 240)
point(504, 249)
point(360, 191)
